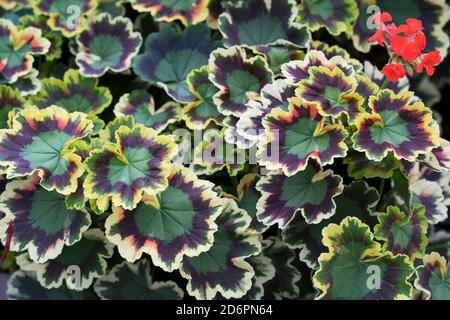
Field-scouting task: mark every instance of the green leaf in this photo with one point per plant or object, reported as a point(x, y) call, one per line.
point(355, 267)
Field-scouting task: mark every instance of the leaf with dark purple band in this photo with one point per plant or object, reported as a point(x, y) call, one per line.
point(433, 277)
point(401, 233)
point(67, 16)
point(140, 105)
point(239, 79)
point(73, 93)
point(298, 70)
point(108, 134)
point(223, 268)
point(213, 154)
point(138, 162)
point(299, 134)
point(331, 51)
point(38, 142)
point(396, 124)
point(17, 48)
point(41, 223)
point(273, 95)
point(108, 43)
point(178, 221)
point(310, 192)
point(332, 91)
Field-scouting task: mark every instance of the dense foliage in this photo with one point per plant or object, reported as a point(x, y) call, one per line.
point(208, 149)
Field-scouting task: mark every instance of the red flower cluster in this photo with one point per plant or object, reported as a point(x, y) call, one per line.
point(405, 44)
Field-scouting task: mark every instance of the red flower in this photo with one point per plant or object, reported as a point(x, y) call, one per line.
point(393, 71)
point(408, 47)
point(381, 17)
point(378, 37)
point(411, 27)
point(428, 62)
point(410, 44)
point(383, 31)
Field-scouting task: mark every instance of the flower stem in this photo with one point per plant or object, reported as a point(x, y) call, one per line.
point(385, 84)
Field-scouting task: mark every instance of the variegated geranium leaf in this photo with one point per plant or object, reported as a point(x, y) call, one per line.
point(431, 196)
point(127, 281)
point(428, 188)
point(88, 256)
point(310, 192)
point(73, 93)
point(298, 70)
point(397, 125)
point(108, 43)
point(433, 277)
point(332, 91)
point(170, 56)
point(439, 159)
point(284, 284)
point(186, 11)
point(108, 133)
point(203, 110)
point(178, 221)
point(277, 56)
point(299, 134)
point(60, 13)
point(336, 16)
point(357, 199)
point(213, 154)
point(28, 84)
point(140, 105)
point(138, 162)
point(238, 78)
point(273, 95)
point(38, 141)
point(17, 48)
point(352, 257)
point(223, 268)
point(331, 51)
point(401, 233)
point(263, 23)
point(40, 22)
point(39, 219)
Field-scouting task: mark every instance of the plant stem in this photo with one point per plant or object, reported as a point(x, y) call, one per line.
point(385, 84)
point(381, 188)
